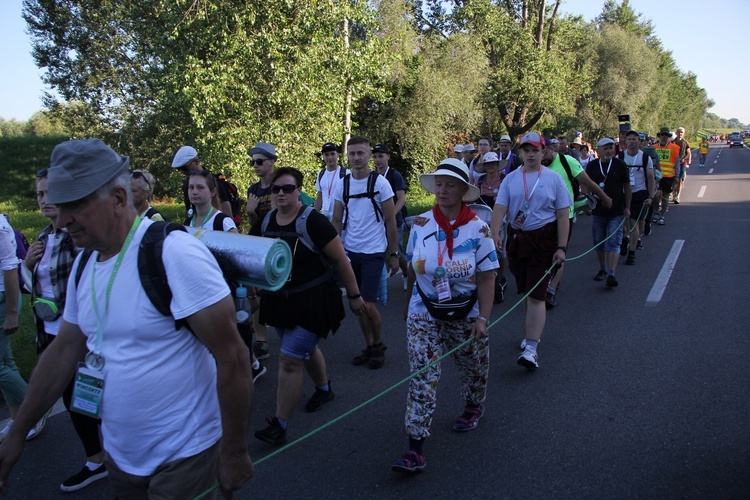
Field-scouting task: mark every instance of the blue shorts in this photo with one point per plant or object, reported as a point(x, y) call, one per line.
point(601, 227)
point(368, 268)
point(297, 342)
point(681, 171)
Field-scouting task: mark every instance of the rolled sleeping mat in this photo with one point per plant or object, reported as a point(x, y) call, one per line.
point(252, 260)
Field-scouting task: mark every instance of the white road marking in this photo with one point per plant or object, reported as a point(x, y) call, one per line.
point(715, 161)
point(710, 170)
point(657, 291)
point(702, 192)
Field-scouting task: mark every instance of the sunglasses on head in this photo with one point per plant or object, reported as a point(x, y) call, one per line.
point(287, 188)
point(137, 174)
point(41, 173)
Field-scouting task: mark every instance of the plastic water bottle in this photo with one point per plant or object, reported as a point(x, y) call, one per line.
point(241, 304)
point(383, 287)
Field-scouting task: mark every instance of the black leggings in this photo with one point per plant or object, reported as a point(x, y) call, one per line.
point(86, 427)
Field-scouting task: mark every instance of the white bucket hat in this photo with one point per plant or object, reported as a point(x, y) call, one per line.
point(451, 167)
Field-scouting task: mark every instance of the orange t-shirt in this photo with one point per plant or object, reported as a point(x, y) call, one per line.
point(668, 157)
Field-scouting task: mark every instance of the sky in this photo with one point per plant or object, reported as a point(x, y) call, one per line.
point(704, 37)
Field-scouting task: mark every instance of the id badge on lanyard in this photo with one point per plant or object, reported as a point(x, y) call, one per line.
point(88, 391)
point(441, 282)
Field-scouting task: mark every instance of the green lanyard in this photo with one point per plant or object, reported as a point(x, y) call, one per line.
point(118, 263)
point(192, 222)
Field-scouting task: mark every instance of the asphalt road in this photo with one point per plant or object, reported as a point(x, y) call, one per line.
point(632, 399)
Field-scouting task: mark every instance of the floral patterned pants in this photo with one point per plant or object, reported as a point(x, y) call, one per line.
point(426, 341)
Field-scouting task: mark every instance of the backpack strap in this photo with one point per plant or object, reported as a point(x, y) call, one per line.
point(347, 182)
point(566, 166)
point(371, 180)
point(219, 221)
point(85, 255)
point(151, 269)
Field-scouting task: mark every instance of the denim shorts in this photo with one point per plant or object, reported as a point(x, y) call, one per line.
point(297, 342)
point(601, 227)
point(681, 171)
point(368, 268)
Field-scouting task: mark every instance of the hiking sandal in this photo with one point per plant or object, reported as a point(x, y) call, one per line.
point(377, 356)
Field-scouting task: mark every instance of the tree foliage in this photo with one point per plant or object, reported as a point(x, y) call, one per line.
point(152, 76)
point(419, 75)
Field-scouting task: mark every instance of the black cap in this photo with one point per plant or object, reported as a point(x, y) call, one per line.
point(328, 147)
point(381, 148)
point(632, 132)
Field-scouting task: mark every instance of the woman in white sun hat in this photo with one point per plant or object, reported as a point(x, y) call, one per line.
point(451, 278)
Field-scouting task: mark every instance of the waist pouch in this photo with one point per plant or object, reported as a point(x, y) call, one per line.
point(455, 309)
point(45, 309)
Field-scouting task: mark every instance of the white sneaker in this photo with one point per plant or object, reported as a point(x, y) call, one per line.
point(6, 430)
point(37, 429)
point(529, 359)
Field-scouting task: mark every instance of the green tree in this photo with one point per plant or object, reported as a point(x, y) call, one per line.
point(44, 123)
point(625, 76)
point(532, 65)
point(430, 92)
point(150, 77)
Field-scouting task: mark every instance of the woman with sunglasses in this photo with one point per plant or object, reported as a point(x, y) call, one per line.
point(450, 285)
point(309, 306)
point(47, 269)
point(142, 185)
point(201, 191)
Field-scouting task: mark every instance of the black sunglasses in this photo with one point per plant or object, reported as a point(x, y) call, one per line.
point(287, 188)
point(137, 174)
point(260, 161)
point(42, 172)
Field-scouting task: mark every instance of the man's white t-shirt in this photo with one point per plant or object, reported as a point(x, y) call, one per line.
point(160, 401)
point(637, 174)
point(364, 234)
point(326, 186)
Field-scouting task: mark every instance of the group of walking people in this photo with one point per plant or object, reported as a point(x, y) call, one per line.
point(507, 209)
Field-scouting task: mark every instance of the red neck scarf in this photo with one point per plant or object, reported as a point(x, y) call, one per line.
point(464, 216)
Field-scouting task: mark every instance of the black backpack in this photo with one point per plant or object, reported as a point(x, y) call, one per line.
point(235, 202)
point(303, 236)
point(151, 271)
point(369, 193)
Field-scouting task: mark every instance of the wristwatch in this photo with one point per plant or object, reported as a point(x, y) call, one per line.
point(395, 254)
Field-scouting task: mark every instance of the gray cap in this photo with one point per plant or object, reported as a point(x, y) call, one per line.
point(78, 168)
point(263, 148)
point(605, 141)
